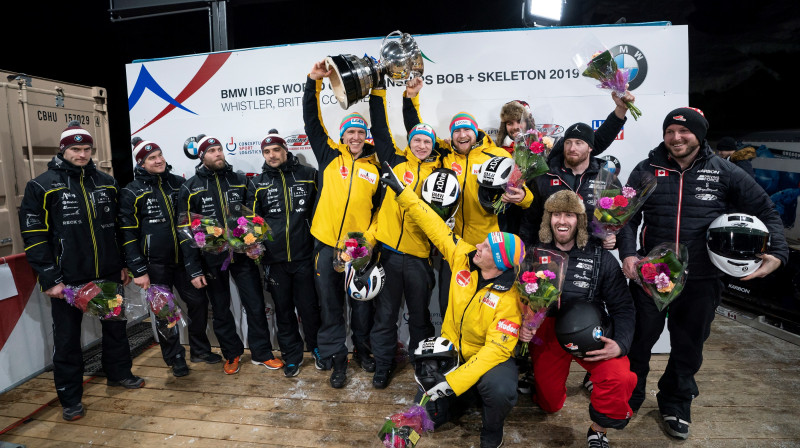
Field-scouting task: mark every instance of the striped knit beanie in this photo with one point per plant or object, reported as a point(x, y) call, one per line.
point(73, 135)
point(142, 149)
point(422, 129)
point(463, 120)
point(354, 120)
point(508, 250)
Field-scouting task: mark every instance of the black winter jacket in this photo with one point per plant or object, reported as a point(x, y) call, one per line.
point(148, 219)
point(208, 193)
point(68, 222)
point(685, 202)
point(611, 288)
point(285, 197)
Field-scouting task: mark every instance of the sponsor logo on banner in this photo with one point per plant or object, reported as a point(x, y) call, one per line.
point(231, 147)
point(408, 177)
point(463, 278)
point(662, 173)
point(243, 147)
point(620, 136)
point(508, 327)
point(490, 300)
point(344, 172)
point(630, 57)
point(550, 128)
point(298, 142)
point(366, 175)
point(457, 168)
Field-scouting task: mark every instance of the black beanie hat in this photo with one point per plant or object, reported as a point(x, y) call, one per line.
point(727, 144)
point(691, 118)
point(581, 131)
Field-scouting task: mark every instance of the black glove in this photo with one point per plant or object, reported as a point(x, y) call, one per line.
point(390, 179)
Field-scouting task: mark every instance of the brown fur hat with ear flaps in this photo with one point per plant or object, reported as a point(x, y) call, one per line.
point(564, 201)
point(513, 111)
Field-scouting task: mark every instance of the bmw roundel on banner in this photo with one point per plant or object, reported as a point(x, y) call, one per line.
point(628, 56)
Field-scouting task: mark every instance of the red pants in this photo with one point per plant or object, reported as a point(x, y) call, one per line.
point(612, 380)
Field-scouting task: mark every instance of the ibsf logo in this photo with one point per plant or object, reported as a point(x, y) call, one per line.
point(629, 57)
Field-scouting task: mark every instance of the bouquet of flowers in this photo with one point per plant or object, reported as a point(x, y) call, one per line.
point(162, 304)
point(354, 250)
point(662, 273)
point(205, 233)
point(539, 282)
point(617, 204)
point(597, 62)
point(245, 231)
point(404, 429)
point(101, 299)
point(531, 149)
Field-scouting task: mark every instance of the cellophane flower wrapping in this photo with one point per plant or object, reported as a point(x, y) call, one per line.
point(353, 249)
point(204, 233)
point(404, 429)
point(166, 310)
point(101, 299)
point(539, 281)
point(245, 231)
point(663, 272)
point(531, 149)
point(597, 62)
point(616, 204)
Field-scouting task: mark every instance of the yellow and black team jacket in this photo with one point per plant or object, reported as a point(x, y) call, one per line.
point(208, 193)
point(348, 187)
point(148, 220)
point(68, 219)
point(473, 222)
point(284, 197)
point(483, 317)
point(392, 228)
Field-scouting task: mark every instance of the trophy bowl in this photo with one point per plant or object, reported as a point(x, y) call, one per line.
point(352, 77)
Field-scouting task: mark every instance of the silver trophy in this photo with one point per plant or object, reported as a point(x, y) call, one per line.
point(353, 77)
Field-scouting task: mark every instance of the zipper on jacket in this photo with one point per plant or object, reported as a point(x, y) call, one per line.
point(89, 209)
point(461, 324)
point(221, 203)
point(403, 217)
point(171, 221)
point(286, 205)
point(347, 203)
point(467, 172)
point(680, 200)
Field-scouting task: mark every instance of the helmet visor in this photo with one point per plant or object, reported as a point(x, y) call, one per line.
point(737, 244)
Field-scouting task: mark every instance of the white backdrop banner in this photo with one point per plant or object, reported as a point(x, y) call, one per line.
point(238, 96)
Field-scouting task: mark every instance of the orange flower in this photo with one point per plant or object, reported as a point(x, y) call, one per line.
point(249, 239)
point(217, 231)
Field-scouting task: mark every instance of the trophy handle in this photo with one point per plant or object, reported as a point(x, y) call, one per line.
point(398, 32)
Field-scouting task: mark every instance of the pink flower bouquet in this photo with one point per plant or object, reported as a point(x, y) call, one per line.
point(539, 282)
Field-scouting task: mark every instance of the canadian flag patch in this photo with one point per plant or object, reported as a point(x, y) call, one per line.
point(544, 260)
point(508, 327)
point(344, 172)
point(662, 173)
point(554, 182)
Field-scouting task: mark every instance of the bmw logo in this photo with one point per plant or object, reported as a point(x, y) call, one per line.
point(212, 141)
point(78, 138)
point(148, 147)
point(596, 333)
point(628, 56)
point(190, 148)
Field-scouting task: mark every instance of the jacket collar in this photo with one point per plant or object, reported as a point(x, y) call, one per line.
point(141, 174)
point(60, 164)
point(660, 156)
point(502, 282)
point(291, 164)
point(203, 171)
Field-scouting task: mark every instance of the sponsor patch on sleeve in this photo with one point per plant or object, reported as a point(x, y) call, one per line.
point(508, 327)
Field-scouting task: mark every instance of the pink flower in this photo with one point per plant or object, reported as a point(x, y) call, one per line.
point(605, 203)
point(242, 221)
point(537, 147)
point(200, 239)
point(531, 288)
point(237, 232)
point(359, 252)
point(352, 242)
point(662, 268)
point(529, 277)
point(649, 272)
point(195, 224)
point(662, 281)
point(628, 192)
point(620, 201)
point(549, 274)
point(258, 220)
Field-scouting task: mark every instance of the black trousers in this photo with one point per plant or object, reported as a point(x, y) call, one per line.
point(689, 325)
point(174, 276)
point(405, 275)
point(68, 357)
point(330, 291)
point(444, 286)
point(247, 278)
point(497, 390)
point(291, 285)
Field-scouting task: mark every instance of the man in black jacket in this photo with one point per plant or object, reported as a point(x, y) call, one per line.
point(147, 215)
point(68, 222)
point(694, 188)
point(213, 190)
point(592, 274)
point(284, 194)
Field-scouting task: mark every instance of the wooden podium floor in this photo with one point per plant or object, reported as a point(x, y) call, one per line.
point(749, 397)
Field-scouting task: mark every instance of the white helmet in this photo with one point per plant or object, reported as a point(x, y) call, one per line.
point(494, 173)
point(734, 240)
point(441, 192)
point(434, 355)
point(367, 283)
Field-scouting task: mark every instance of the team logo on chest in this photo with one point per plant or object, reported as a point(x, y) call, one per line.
point(344, 172)
point(408, 177)
point(457, 168)
point(555, 182)
point(463, 278)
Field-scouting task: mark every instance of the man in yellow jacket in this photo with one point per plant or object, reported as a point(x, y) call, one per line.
point(347, 201)
point(483, 319)
point(470, 148)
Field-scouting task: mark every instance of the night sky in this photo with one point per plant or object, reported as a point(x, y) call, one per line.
point(743, 55)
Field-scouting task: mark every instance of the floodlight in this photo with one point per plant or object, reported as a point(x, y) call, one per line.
point(542, 12)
